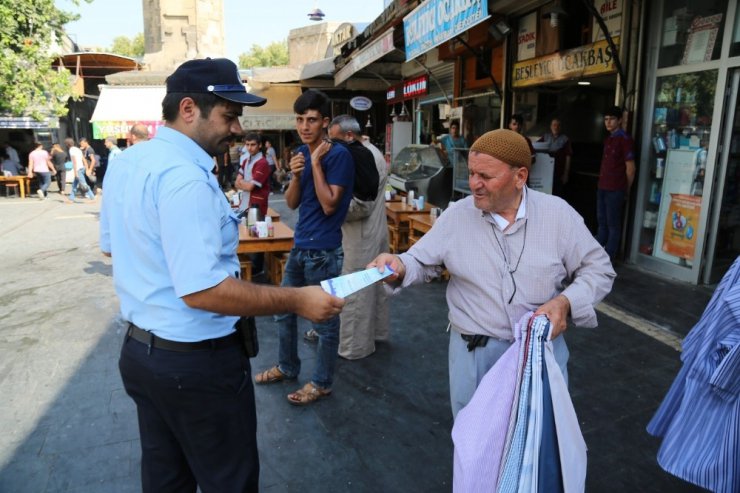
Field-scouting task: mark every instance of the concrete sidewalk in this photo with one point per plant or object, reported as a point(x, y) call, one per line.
point(66, 424)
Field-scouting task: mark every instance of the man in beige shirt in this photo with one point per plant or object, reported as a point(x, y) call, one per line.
point(509, 250)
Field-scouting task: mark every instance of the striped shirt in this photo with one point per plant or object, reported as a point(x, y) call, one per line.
point(558, 256)
point(699, 418)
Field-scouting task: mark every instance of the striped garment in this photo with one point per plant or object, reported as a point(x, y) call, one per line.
point(699, 418)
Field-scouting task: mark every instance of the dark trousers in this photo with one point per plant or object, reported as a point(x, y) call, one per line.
point(609, 204)
point(61, 178)
point(197, 419)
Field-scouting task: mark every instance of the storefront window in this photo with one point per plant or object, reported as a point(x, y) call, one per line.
point(682, 120)
point(735, 46)
point(692, 31)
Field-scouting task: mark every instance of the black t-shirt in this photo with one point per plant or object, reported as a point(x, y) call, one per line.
point(59, 158)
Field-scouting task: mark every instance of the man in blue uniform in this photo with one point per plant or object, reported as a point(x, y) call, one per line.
point(173, 240)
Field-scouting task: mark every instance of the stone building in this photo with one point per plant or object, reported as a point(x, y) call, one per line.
point(180, 30)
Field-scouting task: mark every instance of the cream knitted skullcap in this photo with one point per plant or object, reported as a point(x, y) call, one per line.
point(505, 145)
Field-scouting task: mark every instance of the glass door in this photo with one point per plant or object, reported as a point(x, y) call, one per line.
point(671, 222)
point(724, 240)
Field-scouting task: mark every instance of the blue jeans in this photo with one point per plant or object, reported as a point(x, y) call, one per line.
point(79, 181)
point(44, 181)
point(309, 268)
point(609, 204)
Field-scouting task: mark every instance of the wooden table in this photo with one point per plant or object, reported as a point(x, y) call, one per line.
point(398, 214)
point(418, 225)
point(23, 181)
point(273, 247)
point(275, 215)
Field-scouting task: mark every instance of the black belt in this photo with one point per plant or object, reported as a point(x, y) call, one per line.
point(475, 340)
point(153, 341)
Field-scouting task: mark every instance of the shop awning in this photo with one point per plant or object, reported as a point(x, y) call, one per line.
point(119, 107)
point(129, 103)
point(277, 113)
point(315, 69)
point(372, 52)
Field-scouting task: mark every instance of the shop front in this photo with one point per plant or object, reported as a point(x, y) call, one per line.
point(687, 221)
point(563, 68)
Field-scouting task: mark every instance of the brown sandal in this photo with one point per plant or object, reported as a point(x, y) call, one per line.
point(273, 375)
point(308, 395)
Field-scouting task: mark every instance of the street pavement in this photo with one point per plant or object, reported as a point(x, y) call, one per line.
point(66, 424)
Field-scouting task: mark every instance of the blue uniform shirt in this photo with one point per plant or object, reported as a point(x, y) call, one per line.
point(315, 230)
point(171, 233)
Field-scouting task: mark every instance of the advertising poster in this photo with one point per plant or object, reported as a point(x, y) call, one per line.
point(540, 176)
point(526, 39)
point(611, 12)
point(681, 223)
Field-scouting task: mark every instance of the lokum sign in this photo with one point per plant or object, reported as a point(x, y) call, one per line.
point(412, 88)
point(584, 61)
point(436, 21)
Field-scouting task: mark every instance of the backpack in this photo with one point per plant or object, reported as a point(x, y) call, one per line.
point(366, 174)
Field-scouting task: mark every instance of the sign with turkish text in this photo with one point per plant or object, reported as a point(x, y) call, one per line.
point(588, 60)
point(375, 50)
point(360, 103)
point(120, 129)
point(412, 88)
point(611, 12)
point(526, 38)
point(436, 21)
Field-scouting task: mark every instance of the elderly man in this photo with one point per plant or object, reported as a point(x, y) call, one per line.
point(508, 250)
point(173, 239)
point(138, 133)
point(364, 319)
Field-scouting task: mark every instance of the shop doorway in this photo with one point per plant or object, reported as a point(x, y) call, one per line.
point(723, 242)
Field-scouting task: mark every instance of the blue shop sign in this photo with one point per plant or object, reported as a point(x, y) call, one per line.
point(436, 21)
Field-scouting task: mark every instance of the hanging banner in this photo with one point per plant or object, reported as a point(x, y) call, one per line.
point(526, 39)
point(682, 220)
point(584, 61)
point(611, 12)
point(120, 129)
point(436, 21)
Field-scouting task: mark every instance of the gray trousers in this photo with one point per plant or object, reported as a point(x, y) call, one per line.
point(467, 368)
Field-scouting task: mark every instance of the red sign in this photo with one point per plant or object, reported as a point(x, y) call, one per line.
point(412, 88)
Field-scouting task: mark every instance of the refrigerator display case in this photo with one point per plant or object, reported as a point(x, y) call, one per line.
point(460, 165)
point(424, 169)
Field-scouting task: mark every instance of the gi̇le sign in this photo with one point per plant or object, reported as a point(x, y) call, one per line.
point(436, 21)
point(589, 60)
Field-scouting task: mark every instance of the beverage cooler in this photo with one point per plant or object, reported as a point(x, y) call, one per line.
point(424, 169)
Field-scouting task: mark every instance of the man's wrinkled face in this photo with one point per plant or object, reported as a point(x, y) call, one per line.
point(495, 185)
point(310, 126)
point(222, 124)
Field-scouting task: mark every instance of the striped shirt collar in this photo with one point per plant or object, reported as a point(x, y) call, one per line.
point(521, 213)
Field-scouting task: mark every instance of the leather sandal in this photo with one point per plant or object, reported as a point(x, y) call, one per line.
point(308, 395)
point(272, 375)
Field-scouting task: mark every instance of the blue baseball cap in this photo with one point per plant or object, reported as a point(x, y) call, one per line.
point(218, 76)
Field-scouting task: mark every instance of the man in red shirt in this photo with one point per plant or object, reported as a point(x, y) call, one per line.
point(253, 180)
point(615, 179)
